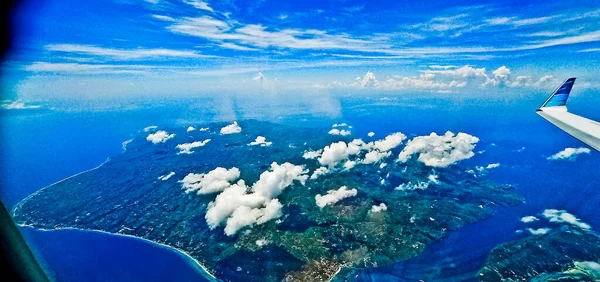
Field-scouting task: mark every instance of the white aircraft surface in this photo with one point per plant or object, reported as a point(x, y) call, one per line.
point(555, 111)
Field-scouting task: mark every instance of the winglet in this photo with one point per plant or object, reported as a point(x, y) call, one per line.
point(560, 95)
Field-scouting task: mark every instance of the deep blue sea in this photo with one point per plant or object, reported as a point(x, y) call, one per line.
point(40, 147)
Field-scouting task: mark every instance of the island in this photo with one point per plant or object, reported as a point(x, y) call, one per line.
point(258, 201)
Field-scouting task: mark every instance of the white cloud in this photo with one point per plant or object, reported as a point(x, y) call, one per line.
point(529, 219)
point(342, 132)
point(389, 142)
point(382, 207)
point(160, 136)
point(17, 105)
point(494, 165)
point(186, 148)
point(334, 196)
point(440, 151)
point(339, 151)
point(312, 154)
point(232, 46)
point(562, 216)
point(246, 216)
point(163, 18)
point(191, 128)
point(498, 21)
point(410, 186)
point(231, 129)
point(199, 4)
point(214, 181)
point(569, 154)
point(433, 178)
point(419, 185)
point(259, 77)
point(166, 176)
point(539, 231)
point(343, 124)
point(150, 128)
point(122, 54)
point(449, 78)
point(371, 134)
point(375, 156)
point(204, 129)
point(348, 165)
point(368, 81)
point(259, 36)
point(531, 21)
point(260, 141)
point(319, 171)
point(239, 206)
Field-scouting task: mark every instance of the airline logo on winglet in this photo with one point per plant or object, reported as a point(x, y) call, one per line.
point(560, 95)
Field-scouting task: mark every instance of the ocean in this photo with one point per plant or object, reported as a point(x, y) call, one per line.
point(40, 147)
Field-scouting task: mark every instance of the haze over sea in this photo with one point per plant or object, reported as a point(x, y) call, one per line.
point(61, 139)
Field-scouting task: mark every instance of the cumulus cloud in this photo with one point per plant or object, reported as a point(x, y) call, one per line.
point(17, 105)
point(348, 165)
point(389, 142)
point(214, 181)
point(340, 125)
point(160, 136)
point(562, 216)
point(570, 154)
point(319, 171)
point(482, 170)
point(246, 216)
point(539, 231)
point(239, 205)
point(150, 128)
point(440, 151)
point(375, 156)
point(371, 134)
point(529, 219)
point(368, 81)
point(191, 128)
point(381, 208)
point(334, 196)
point(433, 178)
point(259, 77)
point(342, 132)
point(166, 176)
point(186, 148)
point(231, 129)
point(419, 185)
point(411, 186)
point(204, 129)
point(260, 141)
point(494, 165)
point(339, 151)
point(446, 79)
point(312, 154)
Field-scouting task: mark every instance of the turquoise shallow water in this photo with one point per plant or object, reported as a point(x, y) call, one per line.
point(53, 145)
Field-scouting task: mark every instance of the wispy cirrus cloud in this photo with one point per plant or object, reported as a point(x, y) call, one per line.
point(122, 54)
point(260, 36)
point(199, 4)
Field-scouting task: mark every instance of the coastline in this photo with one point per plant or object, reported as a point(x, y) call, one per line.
point(20, 203)
point(205, 272)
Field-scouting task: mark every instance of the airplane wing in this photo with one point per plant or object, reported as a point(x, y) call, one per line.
point(555, 111)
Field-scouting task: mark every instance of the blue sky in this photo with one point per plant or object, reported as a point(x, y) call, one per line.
point(127, 47)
